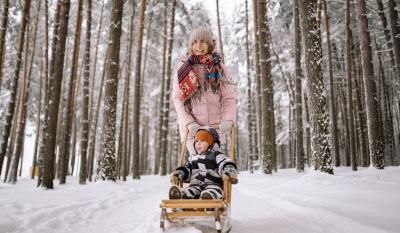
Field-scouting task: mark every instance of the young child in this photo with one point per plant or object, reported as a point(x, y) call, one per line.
point(203, 91)
point(205, 169)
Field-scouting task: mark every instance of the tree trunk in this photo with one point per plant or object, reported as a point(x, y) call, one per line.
point(363, 134)
point(298, 95)
point(333, 112)
point(3, 32)
point(37, 135)
point(386, 31)
point(93, 109)
point(267, 96)
point(136, 105)
point(257, 77)
point(108, 166)
point(350, 90)
point(386, 120)
point(321, 148)
point(64, 155)
point(395, 27)
point(14, 84)
point(219, 32)
point(18, 153)
point(308, 130)
point(160, 155)
point(251, 144)
point(166, 107)
point(85, 105)
point(50, 141)
point(47, 87)
point(375, 144)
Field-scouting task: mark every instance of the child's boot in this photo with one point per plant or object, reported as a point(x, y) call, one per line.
point(175, 192)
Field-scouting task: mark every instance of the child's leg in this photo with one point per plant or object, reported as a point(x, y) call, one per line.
point(191, 192)
point(212, 191)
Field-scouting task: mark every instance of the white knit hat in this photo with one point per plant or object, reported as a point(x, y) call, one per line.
point(202, 33)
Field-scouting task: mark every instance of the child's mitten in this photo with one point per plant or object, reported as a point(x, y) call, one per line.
point(177, 176)
point(232, 173)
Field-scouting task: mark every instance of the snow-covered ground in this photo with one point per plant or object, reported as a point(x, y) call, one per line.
point(366, 201)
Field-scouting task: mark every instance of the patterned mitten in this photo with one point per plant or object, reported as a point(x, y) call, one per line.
point(177, 176)
point(232, 173)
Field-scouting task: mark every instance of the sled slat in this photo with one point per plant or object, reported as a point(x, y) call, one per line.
point(192, 204)
point(186, 214)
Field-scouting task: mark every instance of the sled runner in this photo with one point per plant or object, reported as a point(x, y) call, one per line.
point(200, 210)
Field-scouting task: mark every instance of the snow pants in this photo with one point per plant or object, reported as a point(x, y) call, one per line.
point(196, 191)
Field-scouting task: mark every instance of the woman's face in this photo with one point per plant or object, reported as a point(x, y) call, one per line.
point(201, 146)
point(200, 47)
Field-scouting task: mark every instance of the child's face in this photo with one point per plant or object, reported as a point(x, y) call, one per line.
point(201, 146)
point(200, 47)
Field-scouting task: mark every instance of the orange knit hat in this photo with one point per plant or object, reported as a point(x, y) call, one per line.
point(204, 135)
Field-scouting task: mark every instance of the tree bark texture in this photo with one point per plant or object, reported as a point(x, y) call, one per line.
point(108, 164)
point(160, 155)
point(298, 95)
point(85, 106)
point(136, 104)
point(3, 32)
point(320, 145)
point(268, 128)
point(14, 84)
point(166, 107)
point(375, 143)
point(64, 155)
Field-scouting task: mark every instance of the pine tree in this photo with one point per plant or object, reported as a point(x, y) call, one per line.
point(14, 84)
point(395, 27)
point(268, 141)
point(108, 165)
point(136, 104)
point(160, 155)
point(85, 105)
point(64, 154)
point(352, 143)
point(320, 146)
point(251, 144)
point(166, 107)
point(54, 101)
point(299, 110)
point(333, 112)
point(375, 143)
point(3, 32)
point(47, 86)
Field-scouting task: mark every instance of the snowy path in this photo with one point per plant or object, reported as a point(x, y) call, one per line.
point(367, 201)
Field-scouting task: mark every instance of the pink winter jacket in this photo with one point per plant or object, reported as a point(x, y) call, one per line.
point(212, 109)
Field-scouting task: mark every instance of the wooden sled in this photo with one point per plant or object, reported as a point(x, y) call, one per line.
point(198, 210)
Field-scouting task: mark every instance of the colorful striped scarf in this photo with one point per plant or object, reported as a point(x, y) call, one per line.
point(189, 84)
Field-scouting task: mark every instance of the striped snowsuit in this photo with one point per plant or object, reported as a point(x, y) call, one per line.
point(204, 173)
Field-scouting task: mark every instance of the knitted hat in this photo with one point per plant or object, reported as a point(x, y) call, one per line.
point(202, 33)
point(204, 135)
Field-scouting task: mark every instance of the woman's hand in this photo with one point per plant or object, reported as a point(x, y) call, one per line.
point(225, 126)
point(193, 128)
